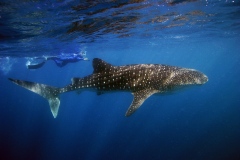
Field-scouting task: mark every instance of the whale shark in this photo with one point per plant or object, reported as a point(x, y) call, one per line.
point(142, 80)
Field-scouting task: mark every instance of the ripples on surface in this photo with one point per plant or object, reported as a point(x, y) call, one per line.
point(29, 27)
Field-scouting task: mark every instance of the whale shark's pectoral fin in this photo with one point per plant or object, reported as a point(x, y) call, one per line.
point(139, 98)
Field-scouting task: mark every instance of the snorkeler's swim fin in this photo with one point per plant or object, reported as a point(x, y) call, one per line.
point(35, 65)
point(48, 92)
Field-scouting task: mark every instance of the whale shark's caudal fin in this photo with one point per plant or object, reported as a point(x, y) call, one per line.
point(48, 92)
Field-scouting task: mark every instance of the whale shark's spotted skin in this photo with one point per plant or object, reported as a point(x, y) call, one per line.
point(142, 80)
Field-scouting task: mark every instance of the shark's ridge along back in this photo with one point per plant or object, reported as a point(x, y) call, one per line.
point(142, 80)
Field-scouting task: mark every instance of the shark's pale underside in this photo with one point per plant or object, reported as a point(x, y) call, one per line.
point(142, 80)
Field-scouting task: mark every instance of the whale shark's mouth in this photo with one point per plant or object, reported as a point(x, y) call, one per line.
point(205, 79)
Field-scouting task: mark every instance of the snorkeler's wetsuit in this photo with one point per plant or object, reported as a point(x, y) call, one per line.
point(60, 60)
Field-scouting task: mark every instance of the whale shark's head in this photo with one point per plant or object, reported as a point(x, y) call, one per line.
point(183, 78)
point(196, 77)
point(186, 76)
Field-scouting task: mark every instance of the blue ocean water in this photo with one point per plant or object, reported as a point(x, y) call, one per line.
point(200, 122)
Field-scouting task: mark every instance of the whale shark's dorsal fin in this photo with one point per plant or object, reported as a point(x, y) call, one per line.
point(100, 66)
point(138, 98)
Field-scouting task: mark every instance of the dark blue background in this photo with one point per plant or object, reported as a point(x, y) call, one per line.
point(201, 122)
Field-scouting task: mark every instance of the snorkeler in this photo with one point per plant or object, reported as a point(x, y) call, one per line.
point(60, 60)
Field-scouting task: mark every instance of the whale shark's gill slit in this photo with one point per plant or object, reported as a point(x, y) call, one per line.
point(48, 92)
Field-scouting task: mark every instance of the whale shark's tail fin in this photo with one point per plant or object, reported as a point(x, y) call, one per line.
point(48, 92)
